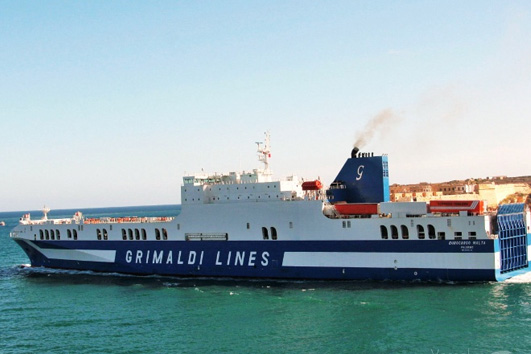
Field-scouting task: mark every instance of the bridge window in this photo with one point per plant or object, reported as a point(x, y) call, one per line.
point(273, 233)
point(431, 232)
point(58, 234)
point(130, 233)
point(47, 234)
point(394, 232)
point(383, 232)
point(164, 234)
point(405, 232)
point(105, 234)
point(144, 236)
point(69, 233)
point(124, 234)
point(137, 234)
point(75, 234)
point(265, 234)
point(157, 234)
point(52, 234)
point(98, 232)
point(420, 232)
point(41, 234)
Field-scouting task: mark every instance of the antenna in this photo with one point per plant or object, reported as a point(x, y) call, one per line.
point(264, 152)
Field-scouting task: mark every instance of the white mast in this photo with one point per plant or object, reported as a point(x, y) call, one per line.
point(264, 153)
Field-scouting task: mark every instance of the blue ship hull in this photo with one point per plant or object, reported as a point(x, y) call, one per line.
point(255, 259)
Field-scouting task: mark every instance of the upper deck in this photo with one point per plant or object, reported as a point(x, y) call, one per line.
point(233, 187)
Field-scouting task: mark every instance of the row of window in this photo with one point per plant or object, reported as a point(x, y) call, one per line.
point(228, 188)
point(56, 234)
point(137, 234)
point(265, 233)
point(102, 234)
point(403, 232)
point(290, 224)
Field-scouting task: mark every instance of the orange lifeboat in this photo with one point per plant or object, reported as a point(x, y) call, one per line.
point(356, 209)
point(312, 185)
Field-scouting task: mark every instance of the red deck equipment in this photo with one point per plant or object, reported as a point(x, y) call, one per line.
point(312, 185)
point(455, 206)
point(356, 209)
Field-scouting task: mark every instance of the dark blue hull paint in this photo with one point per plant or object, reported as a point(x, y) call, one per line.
point(259, 259)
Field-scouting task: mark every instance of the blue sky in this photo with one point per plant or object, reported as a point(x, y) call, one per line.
point(109, 103)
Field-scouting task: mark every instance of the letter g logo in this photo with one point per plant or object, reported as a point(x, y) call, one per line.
point(360, 172)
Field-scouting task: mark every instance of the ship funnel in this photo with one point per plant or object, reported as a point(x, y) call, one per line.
point(354, 152)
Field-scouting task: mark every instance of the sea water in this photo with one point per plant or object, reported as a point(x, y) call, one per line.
point(54, 311)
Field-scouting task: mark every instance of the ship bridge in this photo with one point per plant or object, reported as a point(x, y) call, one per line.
point(239, 187)
point(256, 185)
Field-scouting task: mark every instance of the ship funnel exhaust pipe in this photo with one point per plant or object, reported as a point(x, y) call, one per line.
point(354, 152)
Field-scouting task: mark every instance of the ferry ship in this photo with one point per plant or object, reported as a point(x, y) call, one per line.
point(249, 225)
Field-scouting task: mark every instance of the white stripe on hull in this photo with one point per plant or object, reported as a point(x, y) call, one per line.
point(102, 256)
point(390, 260)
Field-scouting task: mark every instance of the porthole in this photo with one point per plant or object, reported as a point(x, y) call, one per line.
point(273, 233)
point(431, 232)
point(420, 232)
point(405, 232)
point(394, 232)
point(383, 232)
point(265, 234)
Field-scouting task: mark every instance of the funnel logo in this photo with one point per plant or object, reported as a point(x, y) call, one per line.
point(360, 172)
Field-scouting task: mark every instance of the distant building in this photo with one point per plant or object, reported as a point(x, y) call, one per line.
point(460, 190)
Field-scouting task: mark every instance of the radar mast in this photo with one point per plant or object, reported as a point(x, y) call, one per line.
point(264, 153)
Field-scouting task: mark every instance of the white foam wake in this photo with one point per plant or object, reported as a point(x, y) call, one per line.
point(522, 278)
